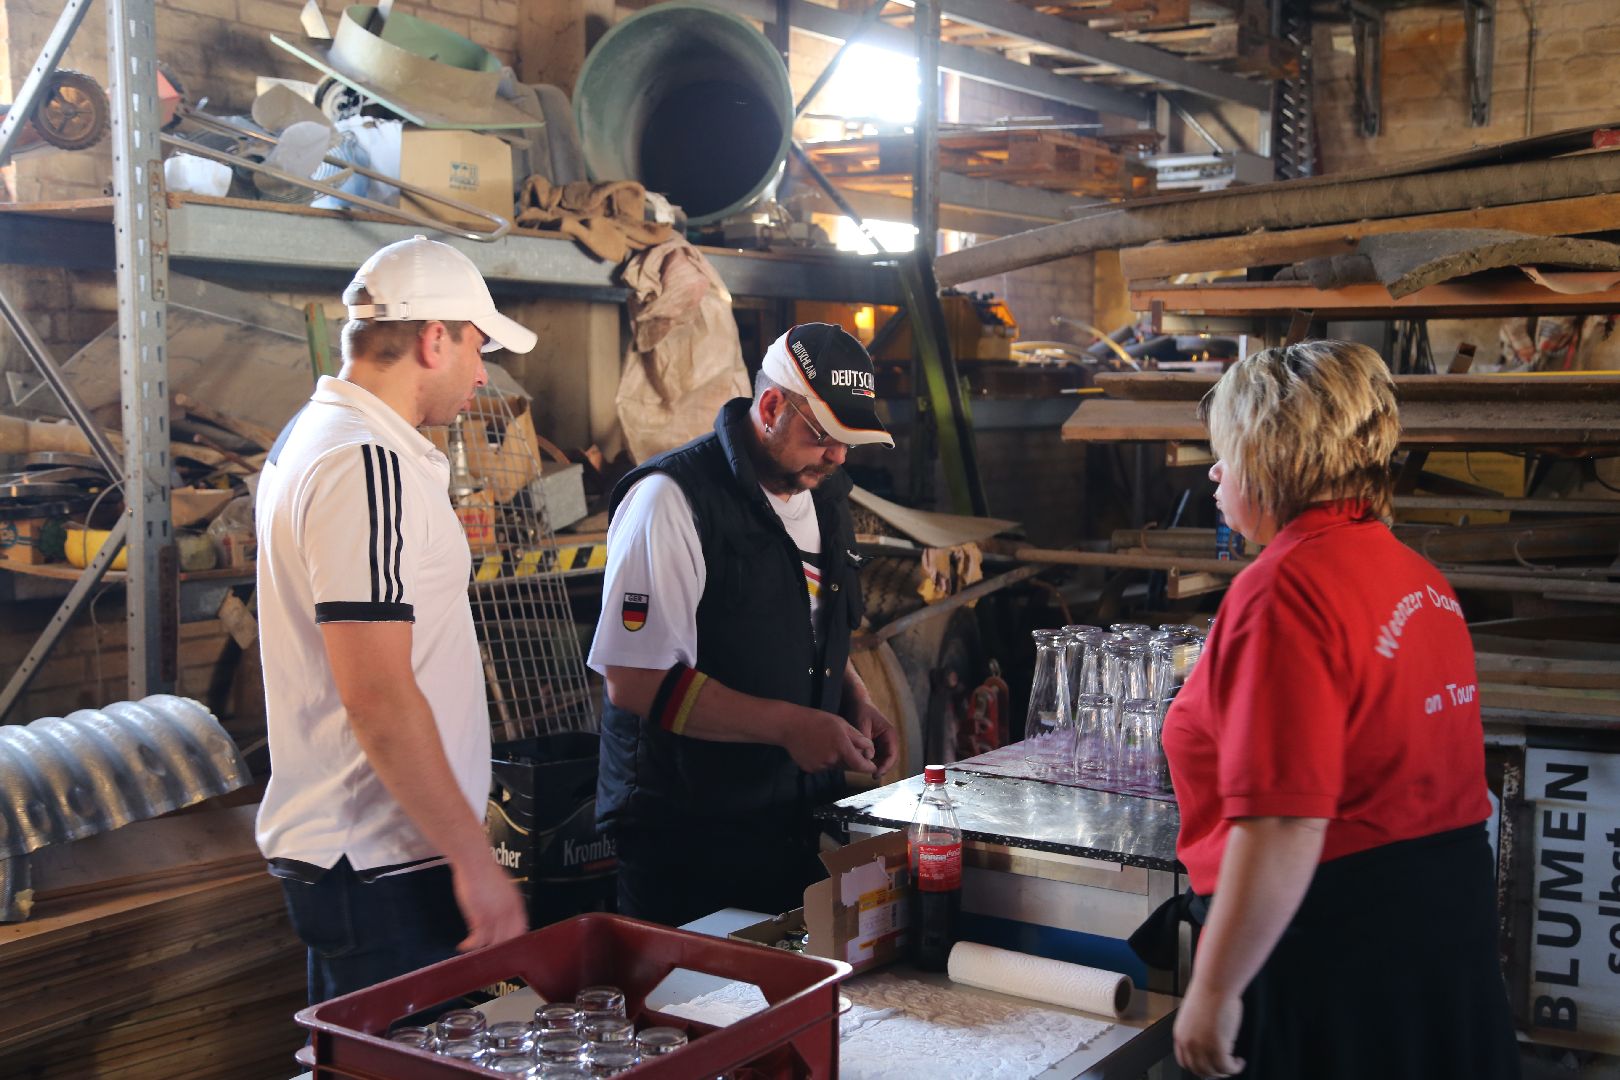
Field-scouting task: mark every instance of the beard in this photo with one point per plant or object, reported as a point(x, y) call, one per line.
point(776, 477)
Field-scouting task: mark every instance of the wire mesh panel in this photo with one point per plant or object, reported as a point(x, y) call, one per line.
point(527, 640)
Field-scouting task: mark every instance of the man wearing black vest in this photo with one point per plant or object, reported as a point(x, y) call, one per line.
point(731, 591)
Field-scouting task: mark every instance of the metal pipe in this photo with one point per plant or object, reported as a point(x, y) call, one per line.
point(925, 169)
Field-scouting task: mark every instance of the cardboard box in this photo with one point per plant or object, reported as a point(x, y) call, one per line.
point(476, 512)
point(461, 165)
point(860, 914)
point(560, 491)
point(20, 541)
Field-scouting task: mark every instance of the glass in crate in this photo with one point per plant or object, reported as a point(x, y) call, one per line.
point(512, 1064)
point(509, 1035)
point(558, 1050)
point(560, 1072)
point(599, 1000)
point(1048, 728)
point(534, 670)
point(658, 1041)
point(611, 1059)
point(604, 1030)
point(558, 1016)
point(460, 1049)
point(459, 1024)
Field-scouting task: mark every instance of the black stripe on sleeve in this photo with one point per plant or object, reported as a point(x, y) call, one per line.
point(359, 611)
point(371, 507)
point(385, 487)
point(399, 529)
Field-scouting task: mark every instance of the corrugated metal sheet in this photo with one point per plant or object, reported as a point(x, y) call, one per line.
point(64, 778)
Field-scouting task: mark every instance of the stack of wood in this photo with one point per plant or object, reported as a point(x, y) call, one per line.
point(1551, 670)
point(1442, 237)
point(1049, 159)
point(161, 949)
point(1579, 411)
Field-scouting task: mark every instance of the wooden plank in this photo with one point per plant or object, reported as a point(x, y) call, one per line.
point(1423, 423)
point(1558, 217)
point(1458, 300)
point(1292, 204)
point(1519, 386)
point(1549, 699)
point(1559, 649)
point(1544, 671)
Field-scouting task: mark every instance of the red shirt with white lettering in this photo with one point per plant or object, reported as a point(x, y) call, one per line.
point(1337, 682)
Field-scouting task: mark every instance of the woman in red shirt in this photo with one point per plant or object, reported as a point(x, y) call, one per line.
point(1328, 760)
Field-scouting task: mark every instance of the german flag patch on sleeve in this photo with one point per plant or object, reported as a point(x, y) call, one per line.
point(635, 611)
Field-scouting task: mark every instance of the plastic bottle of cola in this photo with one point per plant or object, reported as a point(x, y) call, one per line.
point(935, 846)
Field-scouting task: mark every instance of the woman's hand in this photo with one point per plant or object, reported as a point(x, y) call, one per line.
point(1206, 1030)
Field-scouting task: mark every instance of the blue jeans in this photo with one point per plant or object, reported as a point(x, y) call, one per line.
point(361, 933)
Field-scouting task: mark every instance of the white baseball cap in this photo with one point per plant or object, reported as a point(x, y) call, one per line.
point(421, 280)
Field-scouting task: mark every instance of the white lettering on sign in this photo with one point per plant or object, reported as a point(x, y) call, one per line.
point(1575, 951)
point(861, 380)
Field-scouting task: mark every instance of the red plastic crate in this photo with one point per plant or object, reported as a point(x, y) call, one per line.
point(797, 1036)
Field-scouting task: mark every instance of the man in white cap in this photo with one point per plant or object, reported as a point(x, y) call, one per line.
point(379, 730)
point(730, 596)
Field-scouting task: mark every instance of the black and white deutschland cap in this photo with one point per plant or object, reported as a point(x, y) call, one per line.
point(834, 374)
point(421, 280)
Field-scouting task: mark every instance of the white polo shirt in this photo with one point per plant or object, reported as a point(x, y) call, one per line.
point(355, 525)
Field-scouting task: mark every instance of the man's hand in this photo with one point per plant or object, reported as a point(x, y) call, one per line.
point(1206, 1030)
point(870, 721)
point(819, 740)
point(489, 901)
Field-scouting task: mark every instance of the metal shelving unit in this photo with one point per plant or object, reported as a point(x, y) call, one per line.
point(138, 252)
point(230, 238)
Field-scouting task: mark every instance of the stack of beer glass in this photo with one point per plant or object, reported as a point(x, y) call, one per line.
point(1097, 703)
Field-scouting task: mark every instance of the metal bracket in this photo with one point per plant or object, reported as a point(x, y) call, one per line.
point(1367, 30)
point(1480, 16)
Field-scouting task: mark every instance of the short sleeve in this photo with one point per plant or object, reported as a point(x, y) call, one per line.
point(359, 537)
point(653, 581)
point(1281, 709)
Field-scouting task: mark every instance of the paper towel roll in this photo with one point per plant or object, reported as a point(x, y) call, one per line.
point(1073, 986)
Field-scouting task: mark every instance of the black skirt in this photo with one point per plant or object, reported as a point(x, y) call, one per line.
point(1389, 971)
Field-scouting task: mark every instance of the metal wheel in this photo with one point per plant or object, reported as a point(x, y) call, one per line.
point(73, 114)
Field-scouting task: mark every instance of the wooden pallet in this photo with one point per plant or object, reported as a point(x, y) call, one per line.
point(1052, 160)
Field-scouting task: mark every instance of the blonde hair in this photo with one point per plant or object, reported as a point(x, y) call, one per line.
point(385, 342)
point(1306, 423)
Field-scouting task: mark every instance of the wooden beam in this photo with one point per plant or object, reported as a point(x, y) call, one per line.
point(1559, 217)
point(1511, 505)
point(1544, 671)
point(1286, 206)
point(1451, 300)
point(1423, 423)
point(1525, 386)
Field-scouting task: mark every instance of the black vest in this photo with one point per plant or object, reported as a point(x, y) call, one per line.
point(754, 635)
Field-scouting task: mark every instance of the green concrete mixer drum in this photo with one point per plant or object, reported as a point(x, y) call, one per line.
point(692, 102)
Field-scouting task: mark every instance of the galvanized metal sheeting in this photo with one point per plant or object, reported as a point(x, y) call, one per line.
point(65, 778)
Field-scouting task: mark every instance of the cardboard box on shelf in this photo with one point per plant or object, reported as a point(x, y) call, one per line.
point(20, 541)
point(477, 515)
point(461, 165)
point(860, 913)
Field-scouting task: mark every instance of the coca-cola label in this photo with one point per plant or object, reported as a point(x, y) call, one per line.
point(939, 867)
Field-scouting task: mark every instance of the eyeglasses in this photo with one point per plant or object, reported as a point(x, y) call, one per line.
point(823, 439)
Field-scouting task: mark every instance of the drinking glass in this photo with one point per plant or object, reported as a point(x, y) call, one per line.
point(600, 999)
point(604, 1030)
point(611, 1059)
point(558, 1016)
point(1048, 727)
point(658, 1041)
point(559, 1049)
point(1094, 721)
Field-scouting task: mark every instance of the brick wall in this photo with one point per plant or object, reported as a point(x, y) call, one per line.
point(1425, 94)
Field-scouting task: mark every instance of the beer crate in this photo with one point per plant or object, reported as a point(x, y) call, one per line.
point(541, 823)
point(795, 1038)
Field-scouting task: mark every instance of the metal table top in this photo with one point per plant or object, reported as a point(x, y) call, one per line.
point(1032, 814)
